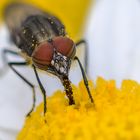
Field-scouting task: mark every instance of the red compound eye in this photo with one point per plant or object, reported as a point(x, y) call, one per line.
point(65, 46)
point(43, 55)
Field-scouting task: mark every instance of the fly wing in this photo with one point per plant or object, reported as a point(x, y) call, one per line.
point(81, 53)
point(16, 13)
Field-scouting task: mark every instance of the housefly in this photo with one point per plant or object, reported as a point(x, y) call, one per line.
point(44, 44)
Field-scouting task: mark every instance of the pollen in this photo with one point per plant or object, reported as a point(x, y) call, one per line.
point(115, 116)
point(24, 31)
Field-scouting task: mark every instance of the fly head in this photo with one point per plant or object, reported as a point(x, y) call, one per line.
point(55, 56)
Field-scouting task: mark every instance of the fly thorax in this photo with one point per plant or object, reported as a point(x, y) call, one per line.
point(61, 63)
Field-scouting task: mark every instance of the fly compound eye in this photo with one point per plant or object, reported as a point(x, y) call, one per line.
point(43, 55)
point(65, 46)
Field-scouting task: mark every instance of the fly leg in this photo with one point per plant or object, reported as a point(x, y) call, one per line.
point(4, 69)
point(11, 64)
point(86, 52)
point(85, 79)
point(42, 89)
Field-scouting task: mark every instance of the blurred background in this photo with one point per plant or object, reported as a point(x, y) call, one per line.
point(112, 31)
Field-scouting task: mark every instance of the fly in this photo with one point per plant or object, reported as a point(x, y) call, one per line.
point(43, 42)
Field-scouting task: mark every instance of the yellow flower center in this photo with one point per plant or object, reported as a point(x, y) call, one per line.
point(116, 114)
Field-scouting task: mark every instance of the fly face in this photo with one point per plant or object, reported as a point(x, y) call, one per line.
point(55, 55)
point(61, 64)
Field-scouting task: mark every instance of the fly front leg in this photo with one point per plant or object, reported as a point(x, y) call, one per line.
point(85, 51)
point(11, 64)
point(85, 79)
point(42, 89)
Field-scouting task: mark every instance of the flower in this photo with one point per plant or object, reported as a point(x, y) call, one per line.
point(116, 115)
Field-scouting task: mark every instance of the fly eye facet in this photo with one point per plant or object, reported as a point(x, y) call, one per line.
point(43, 55)
point(65, 46)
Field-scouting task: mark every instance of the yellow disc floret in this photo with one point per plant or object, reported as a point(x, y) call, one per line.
point(115, 116)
